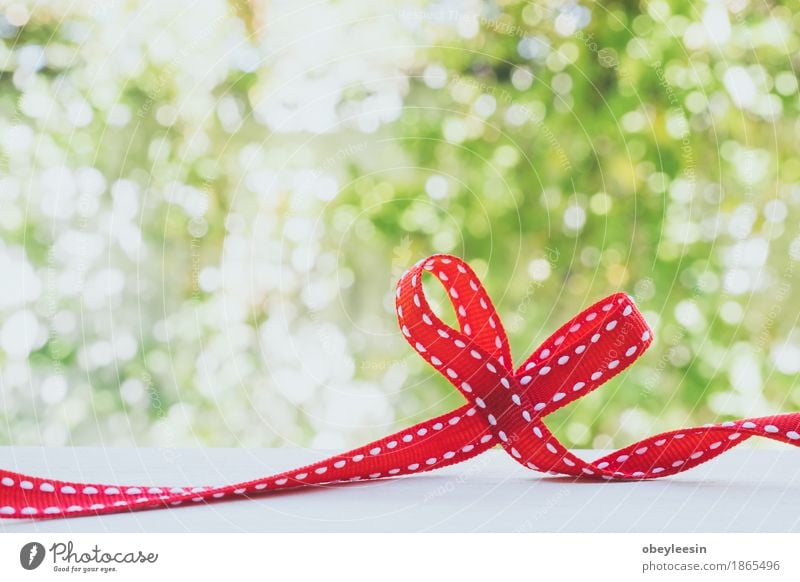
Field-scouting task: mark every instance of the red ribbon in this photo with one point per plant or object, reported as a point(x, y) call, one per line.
point(505, 407)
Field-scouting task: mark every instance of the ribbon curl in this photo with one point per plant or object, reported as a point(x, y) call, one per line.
point(504, 406)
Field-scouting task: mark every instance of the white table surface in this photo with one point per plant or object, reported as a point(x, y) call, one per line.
point(741, 491)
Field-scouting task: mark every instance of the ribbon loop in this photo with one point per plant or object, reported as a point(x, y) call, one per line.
point(479, 325)
point(505, 406)
point(587, 351)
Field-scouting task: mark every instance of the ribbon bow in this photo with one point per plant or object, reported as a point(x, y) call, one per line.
point(504, 406)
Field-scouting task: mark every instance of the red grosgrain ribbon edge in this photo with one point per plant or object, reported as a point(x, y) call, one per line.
point(505, 407)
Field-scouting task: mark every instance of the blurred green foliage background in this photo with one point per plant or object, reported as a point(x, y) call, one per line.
point(204, 207)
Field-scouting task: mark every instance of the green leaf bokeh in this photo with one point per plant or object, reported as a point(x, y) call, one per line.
point(204, 208)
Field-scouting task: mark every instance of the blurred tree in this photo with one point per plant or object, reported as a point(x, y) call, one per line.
point(204, 208)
